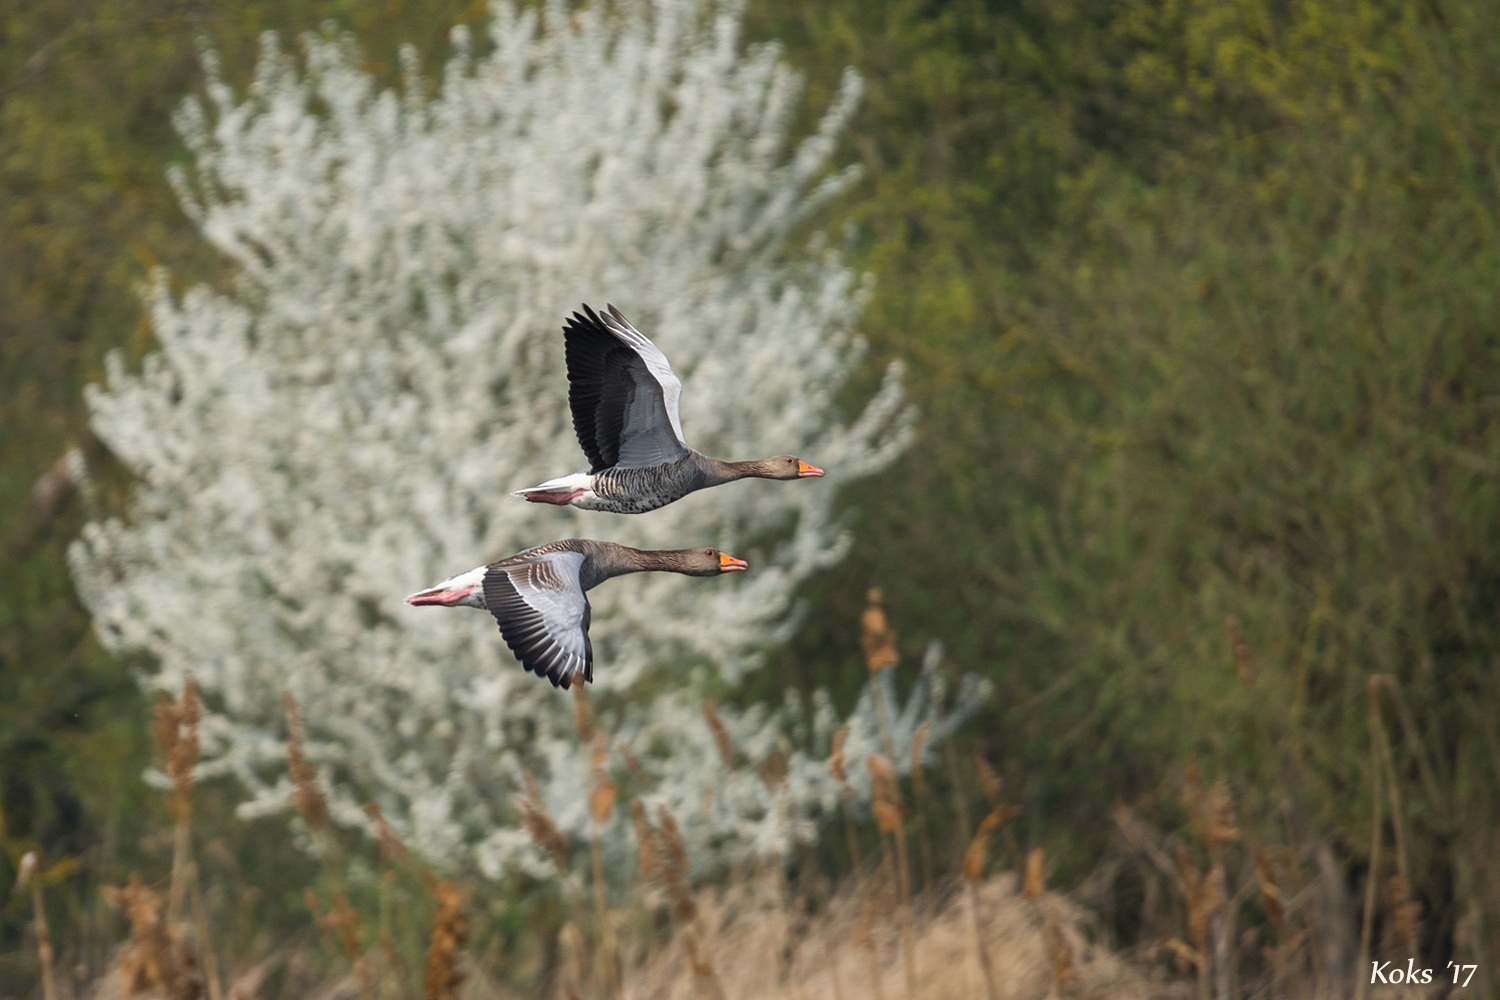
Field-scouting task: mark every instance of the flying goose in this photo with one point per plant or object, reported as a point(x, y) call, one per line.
point(537, 596)
point(624, 399)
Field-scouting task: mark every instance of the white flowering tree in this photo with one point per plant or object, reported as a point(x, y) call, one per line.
point(345, 426)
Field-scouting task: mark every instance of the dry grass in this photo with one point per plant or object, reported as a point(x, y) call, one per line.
point(754, 935)
point(748, 939)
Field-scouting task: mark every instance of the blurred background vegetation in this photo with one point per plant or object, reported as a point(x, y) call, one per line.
point(1199, 302)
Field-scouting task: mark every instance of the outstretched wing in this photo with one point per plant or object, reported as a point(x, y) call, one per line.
point(623, 394)
point(543, 614)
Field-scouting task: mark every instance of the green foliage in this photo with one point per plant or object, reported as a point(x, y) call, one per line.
point(1200, 300)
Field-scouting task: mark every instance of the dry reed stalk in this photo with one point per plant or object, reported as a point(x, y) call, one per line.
point(1219, 830)
point(846, 795)
point(154, 961)
point(1218, 819)
point(307, 796)
point(832, 952)
point(888, 817)
point(601, 806)
point(1405, 912)
point(1059, 951)
point(583, 720)
point(1273, 905)
point(973, 872)
point(1031, 885)
point(876, 635)
point(541, 827)
point(1271, 867)
point(449, 934)
point(919, 798)
point(1372, 691)
point(663, 856)
point(572, 942)
point(675, 868)
point(721, 734)
point(960, 800)
point(878, 640)
point(30, 874)
point(177, 736)
point(342, 920)
point(1211, 813)
point(865, 938)
point(1060, 954)
point(705, 976)
point(1204, 897)
point(391, 852)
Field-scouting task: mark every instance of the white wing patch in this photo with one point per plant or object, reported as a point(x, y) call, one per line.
point(660, 369)
point(543, 614)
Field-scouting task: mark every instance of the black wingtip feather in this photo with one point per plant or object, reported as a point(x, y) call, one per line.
point(599, 385)
point(527, 637)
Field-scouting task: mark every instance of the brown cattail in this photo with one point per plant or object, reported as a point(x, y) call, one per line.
point(1218, 818)
point(887, 797)
point(1406, 912)
point(773, 770)
point(177, 735)
point(648, 860)
point(392, 851)
point(675, 868)
point(836, 758)
point(343, 920)
point(154, 961)
point(1060, 952)
point(1031, 885)
point(537, 823)
point(1271, 899)
point(449, 933)
point(721, 733)
point(877, 637)
point(975, 856)
point(1203, 894)
point(602, 798)
point(308, 797)
point(989, 781)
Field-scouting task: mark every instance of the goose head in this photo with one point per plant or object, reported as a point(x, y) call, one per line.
point(701, 562)
point(466, 590)
point(789, 467)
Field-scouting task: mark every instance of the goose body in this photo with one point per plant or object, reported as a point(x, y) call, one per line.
point(624, 398)
point(538, 596)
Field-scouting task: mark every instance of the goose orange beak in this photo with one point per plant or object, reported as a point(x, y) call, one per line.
point(805, 471)
point(729, 564)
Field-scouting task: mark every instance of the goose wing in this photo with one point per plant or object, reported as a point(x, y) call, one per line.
point(623, 394)
point(543, 614)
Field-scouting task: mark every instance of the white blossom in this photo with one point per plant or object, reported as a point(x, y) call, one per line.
point(343, 425)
